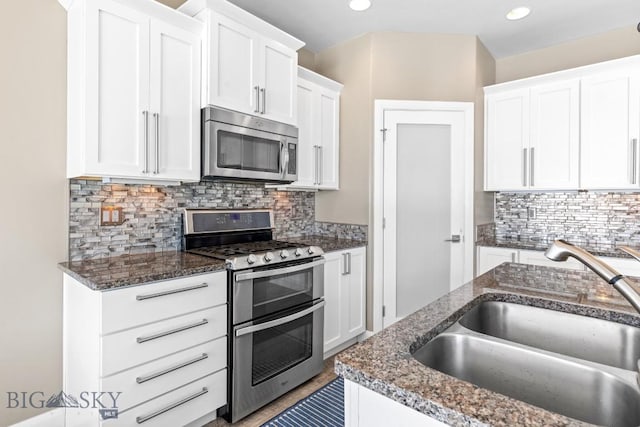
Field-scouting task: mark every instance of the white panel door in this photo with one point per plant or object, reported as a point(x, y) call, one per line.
point(333, 298)
point(232, 75)
point(306, 135)
point(424, 208)
point(175, 103)
point(329, 111)
point(117, 73)
point(555, 138)
point(610, 126)
point(507, 141)
point(278, 82)
point(355, 292)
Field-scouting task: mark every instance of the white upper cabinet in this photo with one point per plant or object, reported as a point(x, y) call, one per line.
point(507, 140)
point(133, 91)
point(575, 129)
point(554, 136)
point(610, 128)
point(248, 65)
point(318, 132)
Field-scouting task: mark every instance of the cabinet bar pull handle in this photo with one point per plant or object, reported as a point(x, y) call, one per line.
point(344, 264)
point(524, 167)
point(634, 169)
point(141, 340)
point(155, 375)
point(315, 165)
point(170, 292)
point(349, 262)
point(321, 165)
point(156, 117)
point(531, 167)
point(257, 89)
point(146, 142)
point(146, 418)
point(264, 100)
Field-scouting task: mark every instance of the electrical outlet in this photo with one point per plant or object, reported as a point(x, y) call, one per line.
point(531, 213)
point(111, 215)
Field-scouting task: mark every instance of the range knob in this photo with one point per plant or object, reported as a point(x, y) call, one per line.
point(268, 257)
point(251, 259)
point(311, 251)
point(298, 252)
point(284, 254)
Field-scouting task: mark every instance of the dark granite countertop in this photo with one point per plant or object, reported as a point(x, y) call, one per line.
point(128, 270)
point(598, 249)
point(328, 244)
point(383, 363)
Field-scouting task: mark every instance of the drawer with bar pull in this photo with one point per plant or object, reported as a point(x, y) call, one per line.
point(147, 381)
point(140, 345)
point(139, 305)
point(172, 409)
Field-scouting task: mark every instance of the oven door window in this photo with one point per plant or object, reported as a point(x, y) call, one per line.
point(238, 151)
point(282, 291)
point(278, 349)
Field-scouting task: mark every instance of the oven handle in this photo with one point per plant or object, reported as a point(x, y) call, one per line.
point(278, 322)
point(259, 274)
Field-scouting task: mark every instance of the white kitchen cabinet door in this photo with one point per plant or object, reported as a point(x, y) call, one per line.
point(175, 103)
point(355, 291)
point(329, 139)
point(278, 81)
point(115, 114)
point(306, 131)
point(610, 127)
point(490, 257)
point(333, 300)
point(345, 296)
point(555, 136)
point(232, 71)
point(507, 141)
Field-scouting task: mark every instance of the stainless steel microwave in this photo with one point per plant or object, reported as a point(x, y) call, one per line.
point(237, 146)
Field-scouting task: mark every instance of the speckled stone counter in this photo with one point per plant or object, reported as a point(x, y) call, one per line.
point(383, 363)
point(328, 244)
point(542, 245)
point(128, 270)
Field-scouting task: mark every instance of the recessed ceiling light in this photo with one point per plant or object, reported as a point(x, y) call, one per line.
point(518, 13)
point(360, 5)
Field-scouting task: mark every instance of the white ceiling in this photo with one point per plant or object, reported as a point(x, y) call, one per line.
point(324, 23)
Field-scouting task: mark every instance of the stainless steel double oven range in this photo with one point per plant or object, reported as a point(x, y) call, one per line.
point(276, 300)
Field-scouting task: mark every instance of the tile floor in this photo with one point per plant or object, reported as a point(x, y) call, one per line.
point(274, 408)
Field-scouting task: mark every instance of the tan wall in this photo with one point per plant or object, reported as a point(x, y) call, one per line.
point(33, 221)
point(307, 59)
point(485, 76)
point(350, 64)
point(588, 50)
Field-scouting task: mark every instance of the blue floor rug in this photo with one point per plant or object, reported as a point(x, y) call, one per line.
point(324, 408)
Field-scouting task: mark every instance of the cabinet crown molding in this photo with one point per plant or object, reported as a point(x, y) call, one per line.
point(194, 7)
point(571, 73)
point(319, 79)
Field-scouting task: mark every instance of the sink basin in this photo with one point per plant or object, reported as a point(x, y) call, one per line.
point(559, 384)
point(596, 340)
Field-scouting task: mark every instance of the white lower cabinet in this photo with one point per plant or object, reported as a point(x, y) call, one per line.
point(365, 408)
point(490, 257)
point(345, 296)
point(157, 352)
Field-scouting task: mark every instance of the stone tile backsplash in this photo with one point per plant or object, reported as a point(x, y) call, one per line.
point(582, 217)
point(153, 215)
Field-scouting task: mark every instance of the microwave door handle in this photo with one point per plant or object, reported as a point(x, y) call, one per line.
point(282, 158)
point(285, 168)
point(260, 274)
point(278, 322)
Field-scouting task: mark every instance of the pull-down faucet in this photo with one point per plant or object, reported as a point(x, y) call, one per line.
point(561, 250)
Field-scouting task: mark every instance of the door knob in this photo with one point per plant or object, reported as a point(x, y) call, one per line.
point(455, 238)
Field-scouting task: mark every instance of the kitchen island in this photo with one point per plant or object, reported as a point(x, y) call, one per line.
point(384, 363)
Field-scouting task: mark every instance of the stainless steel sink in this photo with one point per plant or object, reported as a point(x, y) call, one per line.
point(587, 338)
point(577, 366)
point(554, 383)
